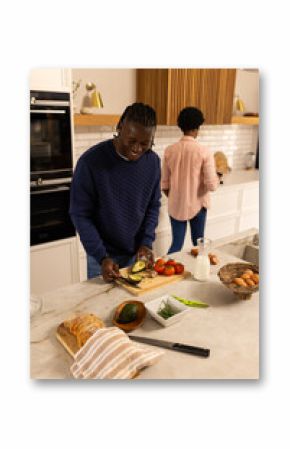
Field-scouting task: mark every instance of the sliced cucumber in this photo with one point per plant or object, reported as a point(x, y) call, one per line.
point(191, 303)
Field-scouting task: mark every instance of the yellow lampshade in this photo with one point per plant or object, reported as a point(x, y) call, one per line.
point(97, 101)
point(240, 105)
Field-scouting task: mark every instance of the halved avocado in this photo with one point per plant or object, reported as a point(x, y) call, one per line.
point(135, 278)
point(129, 313)
point(138, 266)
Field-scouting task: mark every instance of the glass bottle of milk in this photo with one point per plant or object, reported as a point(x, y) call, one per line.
point(202, 263)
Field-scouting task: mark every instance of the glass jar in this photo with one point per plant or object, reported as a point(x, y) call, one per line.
point(202, 262)
point(249, 160)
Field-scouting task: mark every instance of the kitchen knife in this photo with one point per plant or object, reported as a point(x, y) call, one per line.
point(194, 350)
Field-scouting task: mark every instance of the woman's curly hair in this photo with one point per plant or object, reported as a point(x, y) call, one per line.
point(190, 118)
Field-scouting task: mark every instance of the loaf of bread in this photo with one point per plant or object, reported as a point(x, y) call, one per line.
point(83, 327)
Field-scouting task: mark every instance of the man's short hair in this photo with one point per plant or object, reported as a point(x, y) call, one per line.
point(140, 113)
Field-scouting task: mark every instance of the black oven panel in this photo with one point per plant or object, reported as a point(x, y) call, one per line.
point(50, 135)
point(49, 214)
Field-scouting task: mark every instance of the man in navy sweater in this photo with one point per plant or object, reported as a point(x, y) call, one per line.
point(115, 195)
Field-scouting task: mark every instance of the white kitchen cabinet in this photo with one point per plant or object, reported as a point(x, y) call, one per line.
point(82, 256)
point(53, 265)
point(235, 208)
point(49, 79)
point(222, 227)
point(249, 219)
point(224, 203)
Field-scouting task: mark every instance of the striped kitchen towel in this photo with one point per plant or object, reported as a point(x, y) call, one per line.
point(110, 354)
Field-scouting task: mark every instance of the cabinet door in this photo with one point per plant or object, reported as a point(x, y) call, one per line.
point(53, 265)
point(210, 90)
point(170, 90)
point(152, 89)
point(50, 79)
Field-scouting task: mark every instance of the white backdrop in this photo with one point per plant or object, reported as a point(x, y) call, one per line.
point(132, 34)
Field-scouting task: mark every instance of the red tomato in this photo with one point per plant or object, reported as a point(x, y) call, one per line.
point(171, 263)
point(159, 268)
point(179, 268)
point(160, 261)
point(168, 270)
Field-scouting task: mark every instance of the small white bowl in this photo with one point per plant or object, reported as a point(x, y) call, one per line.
point(153, 307)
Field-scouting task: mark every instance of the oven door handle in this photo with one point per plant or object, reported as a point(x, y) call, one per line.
point(56, 190)
point(47, 111)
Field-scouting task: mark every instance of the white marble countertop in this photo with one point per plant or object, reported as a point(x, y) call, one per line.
point(237, 177)
point(229, 328)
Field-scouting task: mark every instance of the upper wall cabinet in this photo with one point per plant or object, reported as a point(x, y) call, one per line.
point(170, 90)
point(50, 79)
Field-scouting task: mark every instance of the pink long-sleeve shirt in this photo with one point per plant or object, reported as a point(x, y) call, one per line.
point(188, 172)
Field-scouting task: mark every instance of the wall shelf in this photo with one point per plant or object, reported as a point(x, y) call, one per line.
point(241, 120)
point(95, 120)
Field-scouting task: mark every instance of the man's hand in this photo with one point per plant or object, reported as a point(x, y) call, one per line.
point(146, 253)
point(110, 270)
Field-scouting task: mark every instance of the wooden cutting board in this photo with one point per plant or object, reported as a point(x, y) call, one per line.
point(149, 284)
point(67, 340)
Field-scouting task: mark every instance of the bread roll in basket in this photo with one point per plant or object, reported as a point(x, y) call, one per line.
point(230, 273)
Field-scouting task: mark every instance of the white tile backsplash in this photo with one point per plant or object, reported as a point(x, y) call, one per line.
point(234, 140)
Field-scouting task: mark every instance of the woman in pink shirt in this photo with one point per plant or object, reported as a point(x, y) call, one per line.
point(188, 175)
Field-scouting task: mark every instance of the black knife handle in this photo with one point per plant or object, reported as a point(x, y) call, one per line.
point(195, 350)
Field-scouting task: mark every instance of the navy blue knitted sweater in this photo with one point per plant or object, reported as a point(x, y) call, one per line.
point(115, 203)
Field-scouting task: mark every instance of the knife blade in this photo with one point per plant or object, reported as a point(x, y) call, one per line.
point(194, 350)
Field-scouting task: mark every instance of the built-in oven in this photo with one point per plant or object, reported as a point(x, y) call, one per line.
point(49, 213)
point(50, 166)
point(50, 135)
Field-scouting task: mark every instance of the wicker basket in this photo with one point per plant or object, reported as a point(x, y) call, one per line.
point(234, 270)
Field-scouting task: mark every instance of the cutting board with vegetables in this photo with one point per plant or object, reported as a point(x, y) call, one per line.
point(148, 284)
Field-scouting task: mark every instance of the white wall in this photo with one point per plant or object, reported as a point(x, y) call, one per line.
point(117, 87)
point(247, 88)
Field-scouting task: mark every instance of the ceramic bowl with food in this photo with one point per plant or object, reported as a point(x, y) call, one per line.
point(129, 315)
point(166, 310)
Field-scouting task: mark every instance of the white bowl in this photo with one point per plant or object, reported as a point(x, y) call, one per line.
point(153, 307)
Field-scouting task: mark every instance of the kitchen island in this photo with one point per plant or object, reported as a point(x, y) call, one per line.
point(229, 327)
